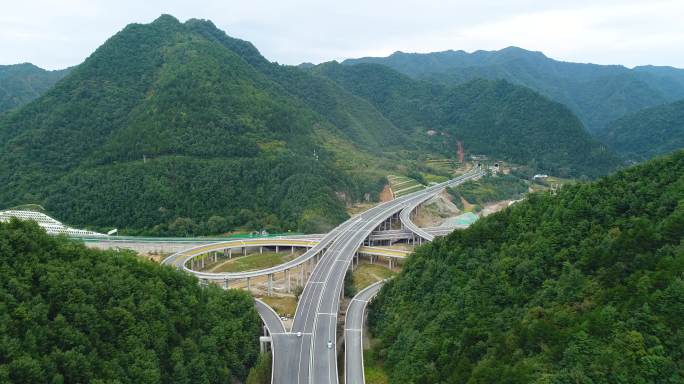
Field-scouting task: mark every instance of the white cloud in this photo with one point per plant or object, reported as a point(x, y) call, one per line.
point(58, 34)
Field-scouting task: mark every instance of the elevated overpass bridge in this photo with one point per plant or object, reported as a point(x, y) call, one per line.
point(307, 353)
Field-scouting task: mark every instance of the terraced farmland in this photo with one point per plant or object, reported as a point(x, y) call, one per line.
point(402, 185)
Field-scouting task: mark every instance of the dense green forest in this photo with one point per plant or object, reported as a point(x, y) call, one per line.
point(21, 83)
point(495, 118)
point(649, 132)
point(598, 94)
point(69, 314)
point(585, 285)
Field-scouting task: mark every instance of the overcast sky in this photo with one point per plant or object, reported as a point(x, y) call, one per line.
point(56, 34)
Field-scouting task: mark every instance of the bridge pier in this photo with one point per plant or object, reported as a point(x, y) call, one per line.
point(249, 287)
point(264, 341)
point(244, 251)
point(287, 277)
point(276, 249)
point(225, 284)
point(261, 250)
point(270, 284)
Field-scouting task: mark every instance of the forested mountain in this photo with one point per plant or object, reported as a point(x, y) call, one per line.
point(585, 285)
point(181, 125)
point(598, 94)
point(496, 118)
point(21, 83)
point(649, 132)
point(177, 128)
point(75, 315)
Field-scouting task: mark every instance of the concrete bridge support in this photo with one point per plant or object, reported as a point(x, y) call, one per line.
point(264, 342)
point(270, 284)
point(287, 278)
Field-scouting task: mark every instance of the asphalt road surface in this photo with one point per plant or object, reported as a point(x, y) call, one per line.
point(353, 334)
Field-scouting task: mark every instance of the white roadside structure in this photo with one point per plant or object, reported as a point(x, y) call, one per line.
point(50, 225)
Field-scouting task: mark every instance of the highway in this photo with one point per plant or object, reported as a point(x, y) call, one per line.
point(312, 358)
point(181, 258)
point(308, 353)
point(353, 334)
point(405, 217)
point(270, 317)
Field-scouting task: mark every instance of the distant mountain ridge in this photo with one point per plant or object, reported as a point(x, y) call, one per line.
point(174, 128)
point(497, 118)
point(648, 132)
point(598, 94)
point(21, 83)
point(164, 125)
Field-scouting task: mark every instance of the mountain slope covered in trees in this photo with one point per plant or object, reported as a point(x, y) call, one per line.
point(21, 83)
point(165, 126)
point(496, 118)
point(649, 132)
point(582, 286)
point(598, 94)
point(177, 128)
point(69, 314)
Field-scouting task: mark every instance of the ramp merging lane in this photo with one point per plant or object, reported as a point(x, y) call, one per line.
point(353, 334)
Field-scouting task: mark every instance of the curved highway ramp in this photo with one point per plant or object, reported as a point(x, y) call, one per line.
point(353, 334)
point(308, 354)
